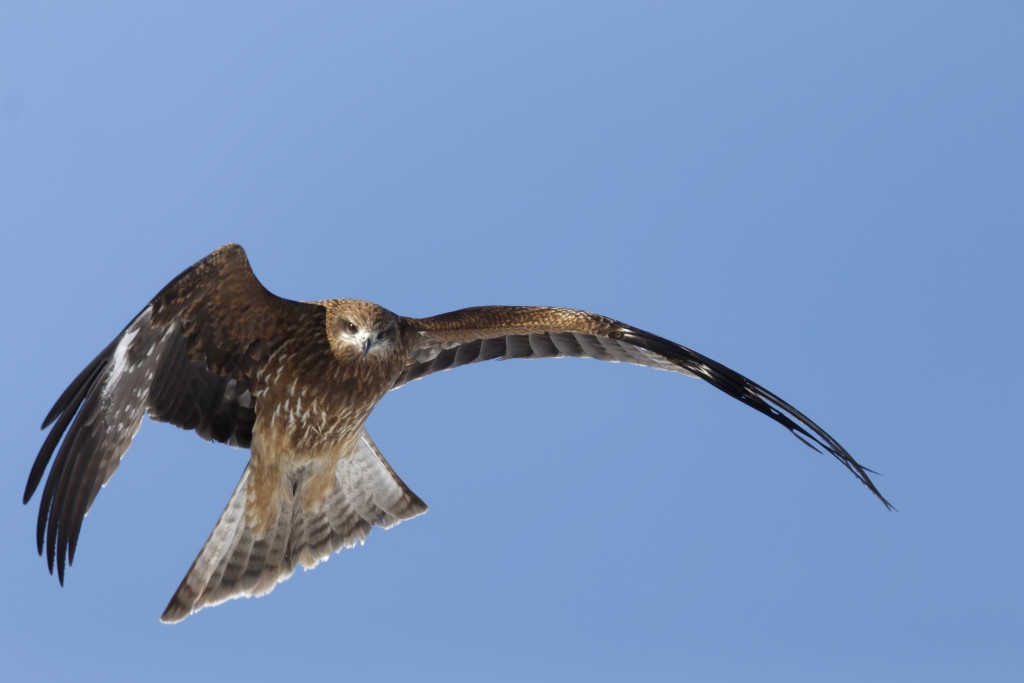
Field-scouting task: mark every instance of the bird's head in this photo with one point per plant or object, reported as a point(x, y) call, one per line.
point(360, 328)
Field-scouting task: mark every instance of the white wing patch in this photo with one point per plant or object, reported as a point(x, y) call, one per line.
point(119, 363)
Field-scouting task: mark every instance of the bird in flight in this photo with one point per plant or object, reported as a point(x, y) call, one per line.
point(294, 382)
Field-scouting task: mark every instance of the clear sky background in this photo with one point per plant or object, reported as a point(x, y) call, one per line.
point(825, 199)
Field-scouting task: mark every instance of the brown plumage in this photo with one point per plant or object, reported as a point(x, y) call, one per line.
point(294, 382)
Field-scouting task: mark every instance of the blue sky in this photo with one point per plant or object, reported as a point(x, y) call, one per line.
point(825, 199)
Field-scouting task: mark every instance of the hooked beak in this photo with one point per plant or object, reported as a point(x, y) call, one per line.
point(367, 344)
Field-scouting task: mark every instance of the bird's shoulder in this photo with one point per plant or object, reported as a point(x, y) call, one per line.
point(222, 309)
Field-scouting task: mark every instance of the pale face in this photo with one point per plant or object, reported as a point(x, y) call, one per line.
point(360, 328)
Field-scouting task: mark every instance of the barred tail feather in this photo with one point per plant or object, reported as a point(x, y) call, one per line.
point(236, 562)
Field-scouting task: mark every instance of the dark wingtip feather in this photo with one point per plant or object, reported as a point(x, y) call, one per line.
point(65, 408)
point(757, 397)
point(69, 398)
point(43, 458)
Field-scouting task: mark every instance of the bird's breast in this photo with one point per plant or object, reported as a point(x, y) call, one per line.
point(307, 421)
point(310, 401)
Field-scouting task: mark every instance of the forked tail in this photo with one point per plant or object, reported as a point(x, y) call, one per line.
point(236, 561)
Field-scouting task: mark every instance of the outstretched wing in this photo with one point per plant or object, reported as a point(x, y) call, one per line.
point(470, 335)
point(188, 358)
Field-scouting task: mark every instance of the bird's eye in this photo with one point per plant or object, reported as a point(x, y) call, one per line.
point(351, 326)
point(383, 335)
